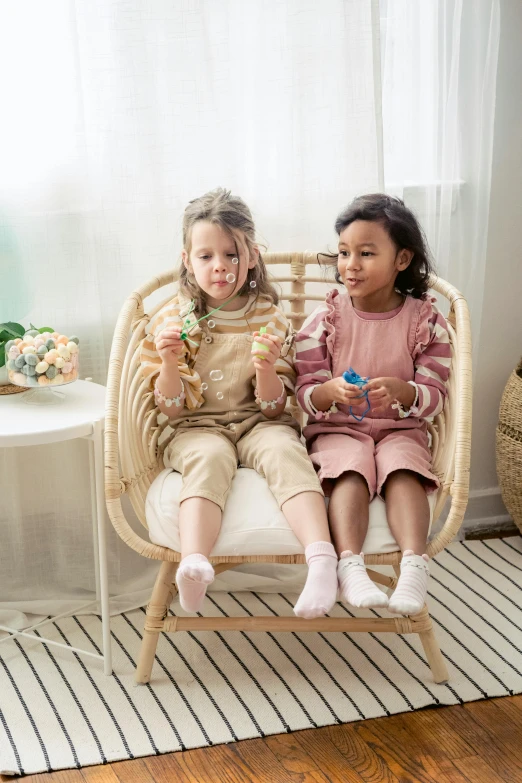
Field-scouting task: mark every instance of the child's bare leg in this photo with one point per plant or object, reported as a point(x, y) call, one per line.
point(407, 510)
point(348, 513)
point(306, 515)
point(199, 525)
point(408, 516)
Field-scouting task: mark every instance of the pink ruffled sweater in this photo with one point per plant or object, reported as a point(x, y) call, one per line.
point(410, 342)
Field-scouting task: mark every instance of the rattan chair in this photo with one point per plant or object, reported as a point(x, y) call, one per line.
point(133, 458)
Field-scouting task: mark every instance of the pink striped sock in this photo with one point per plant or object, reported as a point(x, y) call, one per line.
point(409, 596)
point(193, 576)
point(320, 590)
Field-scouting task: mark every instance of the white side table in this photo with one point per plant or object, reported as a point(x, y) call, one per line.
point(81, 414)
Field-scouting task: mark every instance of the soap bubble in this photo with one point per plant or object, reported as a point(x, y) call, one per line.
point(235, 260)
point(219, 395)
point(230, 278)
point(216, 375)
point(204, 386)
point(253, 284)
point(211, 324)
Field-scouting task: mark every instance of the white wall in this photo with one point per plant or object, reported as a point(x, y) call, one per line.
point(500, 344)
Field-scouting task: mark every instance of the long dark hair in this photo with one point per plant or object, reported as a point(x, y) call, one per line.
point(403, 229)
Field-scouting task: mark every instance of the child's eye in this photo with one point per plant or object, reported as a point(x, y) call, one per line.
point(366, 253)
point(343, 253)
point(204, 258)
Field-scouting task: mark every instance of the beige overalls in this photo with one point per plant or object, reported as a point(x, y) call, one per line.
point(229, 430)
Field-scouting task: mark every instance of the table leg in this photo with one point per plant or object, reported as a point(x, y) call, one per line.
point(99, 532)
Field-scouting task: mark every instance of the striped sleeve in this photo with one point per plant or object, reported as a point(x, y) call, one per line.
point(150, 360)
point(432, 363)
point(313, 359)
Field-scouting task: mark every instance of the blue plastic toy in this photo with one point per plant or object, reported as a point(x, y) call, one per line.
point(350, 376)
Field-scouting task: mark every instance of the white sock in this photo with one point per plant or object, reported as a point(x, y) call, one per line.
point(320, 590)
point(355, 585)
point(409, 596)
point(193, 576)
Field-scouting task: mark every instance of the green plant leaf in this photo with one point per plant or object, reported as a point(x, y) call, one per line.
point(13, 329)
point(2, 354)
point(46, 329)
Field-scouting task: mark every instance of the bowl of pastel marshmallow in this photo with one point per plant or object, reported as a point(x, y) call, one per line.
point(42, 358)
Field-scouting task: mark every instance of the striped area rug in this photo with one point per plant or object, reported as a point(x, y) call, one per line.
point(58, 710)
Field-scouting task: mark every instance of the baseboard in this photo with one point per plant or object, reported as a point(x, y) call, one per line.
point(486, 511)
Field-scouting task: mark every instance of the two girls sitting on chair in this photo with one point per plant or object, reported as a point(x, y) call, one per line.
point(225, 395)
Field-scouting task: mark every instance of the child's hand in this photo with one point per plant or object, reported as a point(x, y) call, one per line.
point(345, 393)
point(270, 357)
point(169, 344)
point(382, 392)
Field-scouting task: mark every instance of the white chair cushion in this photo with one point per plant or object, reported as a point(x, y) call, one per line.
point(253, 524)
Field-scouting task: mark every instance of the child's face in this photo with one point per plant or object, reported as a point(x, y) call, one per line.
point(369, 261)
point(210, 260)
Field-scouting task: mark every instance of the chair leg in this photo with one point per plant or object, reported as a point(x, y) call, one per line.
point(429, 642)
point(431, 647)
point(157, 608)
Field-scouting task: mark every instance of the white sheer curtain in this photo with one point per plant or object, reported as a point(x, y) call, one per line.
point(115, 115)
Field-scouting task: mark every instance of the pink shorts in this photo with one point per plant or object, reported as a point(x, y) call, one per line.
point(373, 456)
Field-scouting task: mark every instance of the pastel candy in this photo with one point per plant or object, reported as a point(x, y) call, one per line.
point(28, 369)
point(29, 349)
point(46, 335)
point(31, 359)
point(71, 347)
point(32, 380)
point(50, 343)
point(11, 365)
point(42, 367)
point(54, 335)
point(74, 360)
point(31, 333)
point(43, 380)
point(9, 344)
point(28, 338)
point(74, 339)
point(18, 341)
point(51, 355)
point(41, 351)
point(57, 380)
point(13, 352)
point(19, 379)
point(59, 362)
point(63, 352)
point(62, 340)
point(38, 341)
point(51, 372)
point(19, 361)
point(67, 367)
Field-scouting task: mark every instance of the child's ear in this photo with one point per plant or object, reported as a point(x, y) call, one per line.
point(186, 260)
point(254, 257)
point(404, 259)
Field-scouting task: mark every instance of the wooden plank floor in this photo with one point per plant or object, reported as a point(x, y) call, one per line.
point(479, 742)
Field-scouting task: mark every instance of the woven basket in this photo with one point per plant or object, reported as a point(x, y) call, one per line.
point(509, 446)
